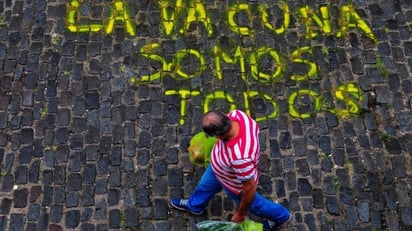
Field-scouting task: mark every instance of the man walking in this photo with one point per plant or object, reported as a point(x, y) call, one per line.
point(234, 168)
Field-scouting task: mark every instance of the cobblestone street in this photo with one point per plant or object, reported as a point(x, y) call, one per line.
point(99, 100)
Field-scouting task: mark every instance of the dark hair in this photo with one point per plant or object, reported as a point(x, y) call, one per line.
point(215, 123)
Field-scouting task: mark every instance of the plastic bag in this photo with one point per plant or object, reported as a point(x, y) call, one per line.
point(199, 149)
point(247, 225)
point(217, 226)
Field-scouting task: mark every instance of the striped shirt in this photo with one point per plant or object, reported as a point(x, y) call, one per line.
point(236, 160)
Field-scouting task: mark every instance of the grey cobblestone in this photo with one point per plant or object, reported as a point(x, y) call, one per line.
point(82, 148)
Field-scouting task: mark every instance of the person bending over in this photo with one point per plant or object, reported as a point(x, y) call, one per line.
point(234, 168)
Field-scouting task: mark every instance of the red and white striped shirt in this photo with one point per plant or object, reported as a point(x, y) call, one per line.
point(236, 160)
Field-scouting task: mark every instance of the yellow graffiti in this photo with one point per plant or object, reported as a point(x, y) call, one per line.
point(191, 11)
point(294, 96)
point(168, 18)
point(297, 58)
point(278, 67)
point(242, 30)
point(237, 57)
point(351, 19)
point(195, 12)
point(147, 51)
point(72, 19)
point(180, 55)
point(218, 95)
point(254, 63)
point(184, 95)
point(173, 68)
point(350, 94)
point(254, 94)
point(262, 64)
point(118, 12)
point(286, 18)
point(309, 16)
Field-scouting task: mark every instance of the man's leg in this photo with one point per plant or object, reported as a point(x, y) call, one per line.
point(276, 213)
point(207, 187)
point(266, 208)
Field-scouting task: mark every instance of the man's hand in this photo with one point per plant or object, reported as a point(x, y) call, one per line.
point(238, 218)
point(248, 194)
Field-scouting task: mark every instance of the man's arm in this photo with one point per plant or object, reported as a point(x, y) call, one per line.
point(248, 194)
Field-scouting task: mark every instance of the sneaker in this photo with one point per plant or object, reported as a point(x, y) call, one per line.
point(183, 204)
point(269, 225)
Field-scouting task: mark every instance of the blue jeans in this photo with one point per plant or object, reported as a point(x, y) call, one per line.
point(262, 207)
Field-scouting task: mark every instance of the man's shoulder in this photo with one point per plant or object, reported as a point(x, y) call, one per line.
point(239, 115)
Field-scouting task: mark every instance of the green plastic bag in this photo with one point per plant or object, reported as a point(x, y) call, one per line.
point(199, 149)
point(217, 226)
point(247, 225)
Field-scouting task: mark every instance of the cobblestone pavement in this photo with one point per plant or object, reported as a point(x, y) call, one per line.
point(100, 98)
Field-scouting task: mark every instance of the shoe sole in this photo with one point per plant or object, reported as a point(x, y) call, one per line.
point(279, 226)
point(187, 210)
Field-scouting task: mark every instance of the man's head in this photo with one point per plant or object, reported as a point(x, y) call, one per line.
point(217, 124)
